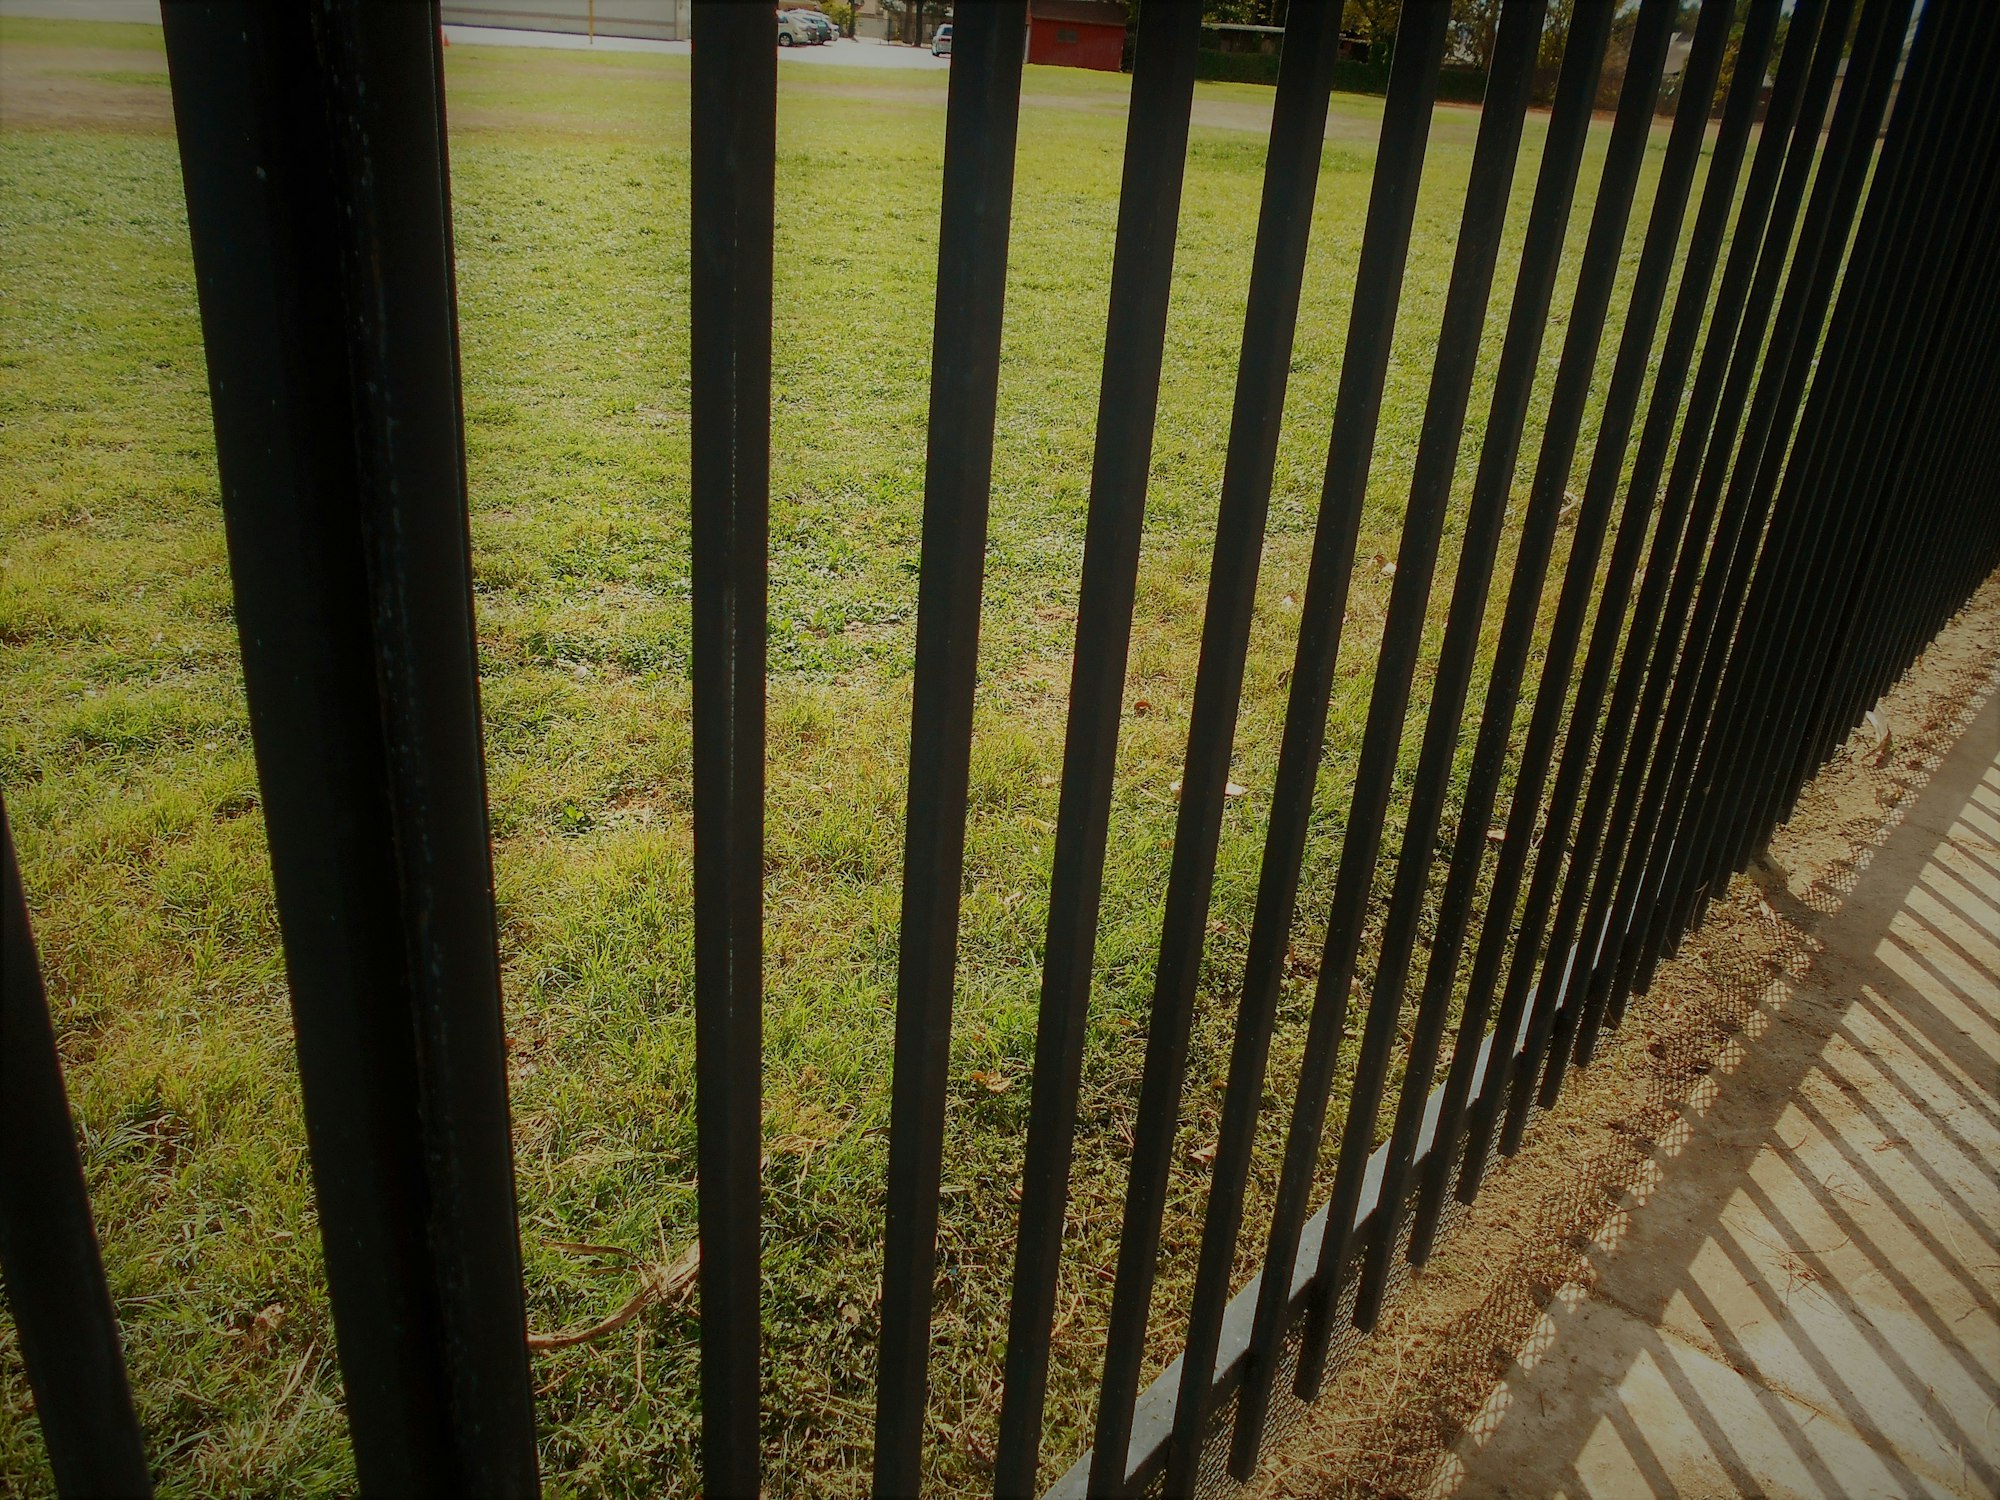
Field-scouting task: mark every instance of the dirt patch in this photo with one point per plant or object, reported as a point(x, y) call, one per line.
point(84, 88)
point(1389, 1416)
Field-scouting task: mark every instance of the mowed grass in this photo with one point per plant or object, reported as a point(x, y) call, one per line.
point(127, 766)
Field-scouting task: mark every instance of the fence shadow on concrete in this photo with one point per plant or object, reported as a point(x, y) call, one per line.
point(1800, 1290)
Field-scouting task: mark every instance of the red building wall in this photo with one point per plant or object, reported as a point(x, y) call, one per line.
point(1093, 45)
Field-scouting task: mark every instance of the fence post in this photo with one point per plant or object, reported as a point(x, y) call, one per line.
point(1697, 87)
point(735, 101)
point(313, 152)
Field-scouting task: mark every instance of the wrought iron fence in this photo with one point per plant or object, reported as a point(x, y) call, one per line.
point(1809, 500)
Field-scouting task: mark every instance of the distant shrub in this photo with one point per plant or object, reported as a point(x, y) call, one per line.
point(1462, 85)
point(1236, 67)
point(1361, 77)
point(1457, 85)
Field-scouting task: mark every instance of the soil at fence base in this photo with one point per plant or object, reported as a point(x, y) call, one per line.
point(1391, 1413)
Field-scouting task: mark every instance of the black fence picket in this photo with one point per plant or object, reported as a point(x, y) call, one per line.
point(313, 150)
point(980, 121)
point(1134, 350)
point(55, 1277)
point(1823, 407)
point(734, 179)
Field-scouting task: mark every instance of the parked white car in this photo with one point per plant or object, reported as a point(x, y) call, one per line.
point(941, 43)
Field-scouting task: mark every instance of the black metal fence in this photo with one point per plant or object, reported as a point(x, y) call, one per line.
point(1809, 500)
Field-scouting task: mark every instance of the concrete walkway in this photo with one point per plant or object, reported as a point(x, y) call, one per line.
point(1806, 1299)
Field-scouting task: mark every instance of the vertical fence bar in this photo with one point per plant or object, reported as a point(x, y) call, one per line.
point(1277, 272)
point(1635, 347)
point(1631, 129)
point(1923, 195)
point(1904, 273)
point(1878, 645)
point(1488, 193)
point(1128, 397)
point(48, 1249)
point(313, 151)
point(1704, 464)
point(1795, 335)
point(1757, 259)
point(1897, 637)
point(1631, 939)
point(733, 177)
point(1606, 470)
point(1596, 740)
point(1877, 642)
point(1786, 770)
point(980, 122)
point(1513, 388)
point(1596, 279)
point(1351, 449)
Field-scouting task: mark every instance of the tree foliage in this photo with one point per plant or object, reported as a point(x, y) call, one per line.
point(1244, 12)
point(1469, 34)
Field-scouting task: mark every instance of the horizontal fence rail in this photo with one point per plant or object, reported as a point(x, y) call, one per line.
point(1783, 404)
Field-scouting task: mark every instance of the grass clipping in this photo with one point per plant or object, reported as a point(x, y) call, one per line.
point(657, 1283)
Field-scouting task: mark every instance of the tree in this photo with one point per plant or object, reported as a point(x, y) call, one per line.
point(1470, 32)
point(910, 17)
point(1376, 20)
point(1555, 33)
point(1244, 12)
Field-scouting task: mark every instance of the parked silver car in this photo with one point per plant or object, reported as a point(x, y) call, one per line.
point(941, 43)
point(814, 28)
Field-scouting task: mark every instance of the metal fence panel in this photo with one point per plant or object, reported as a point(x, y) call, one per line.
point(1826, 508)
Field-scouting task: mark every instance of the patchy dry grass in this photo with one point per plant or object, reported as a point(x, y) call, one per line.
point(126, 760)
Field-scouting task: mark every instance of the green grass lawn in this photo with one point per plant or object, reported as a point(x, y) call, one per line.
point(126, 760)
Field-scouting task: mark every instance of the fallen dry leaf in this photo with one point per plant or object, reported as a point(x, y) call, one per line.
point(993, 1083)
point(263, 1325)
